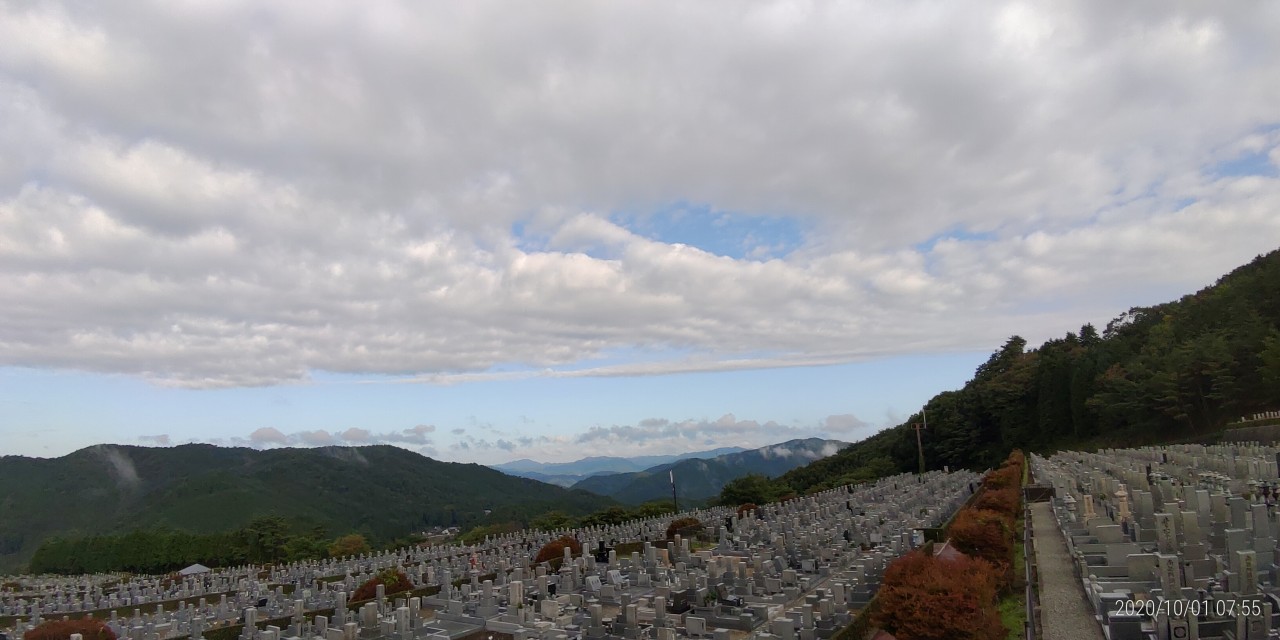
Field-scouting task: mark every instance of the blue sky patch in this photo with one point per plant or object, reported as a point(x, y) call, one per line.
point(1254, 163)
point(527, 240)
point(735, 235)
point(1249, 163)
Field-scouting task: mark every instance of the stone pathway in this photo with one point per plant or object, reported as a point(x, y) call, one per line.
point(1064, 614)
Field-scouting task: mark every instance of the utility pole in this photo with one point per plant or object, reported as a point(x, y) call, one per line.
point(920, 443)
point(674, 501)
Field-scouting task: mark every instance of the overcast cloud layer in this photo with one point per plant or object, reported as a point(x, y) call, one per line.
point(213, 194)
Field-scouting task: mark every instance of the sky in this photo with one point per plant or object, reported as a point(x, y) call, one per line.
point(487, 230)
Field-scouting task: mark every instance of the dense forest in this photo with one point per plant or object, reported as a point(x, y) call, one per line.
point(1174, 371)
point(160, 550)
point(381, 492)
point(273, 539)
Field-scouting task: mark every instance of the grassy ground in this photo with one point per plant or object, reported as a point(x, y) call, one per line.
point(1013, 613)
point(1013, 607)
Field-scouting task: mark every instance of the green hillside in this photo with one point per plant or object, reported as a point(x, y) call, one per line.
point(381, 491)
point(699, 479)
point(1175, 371)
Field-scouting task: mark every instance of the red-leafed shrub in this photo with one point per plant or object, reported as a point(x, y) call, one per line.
point(982, 533)
point(924, 598)
point(1008, 475)
point(1016, 459)
point(1007, 501)
point(988, 535)
point(90, 628)
point(554, 550)
point(1003, 478)
point(744, 508)
point(686, 528)
point(394, 579)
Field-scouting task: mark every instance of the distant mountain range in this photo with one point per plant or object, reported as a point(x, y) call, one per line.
point(381, 491)
point(701, 478)
point(566, 474)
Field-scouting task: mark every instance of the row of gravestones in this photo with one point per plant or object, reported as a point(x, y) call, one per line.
point(674, 592)
point(806, 561)
point(51, 595)
point(1172, 542)
point(54, 596)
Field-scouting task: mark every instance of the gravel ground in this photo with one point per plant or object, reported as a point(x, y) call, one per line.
point(1064, 612)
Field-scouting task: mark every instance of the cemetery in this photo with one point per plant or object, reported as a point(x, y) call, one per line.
point(794, 570)
point(1174, 542)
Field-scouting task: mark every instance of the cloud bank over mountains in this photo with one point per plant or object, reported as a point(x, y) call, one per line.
point(654, 436)
point(222, 194)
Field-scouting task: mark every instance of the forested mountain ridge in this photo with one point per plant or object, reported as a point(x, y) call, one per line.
point(1154, 374)
point(701, 478)
point(566, 474)
point(383, 492)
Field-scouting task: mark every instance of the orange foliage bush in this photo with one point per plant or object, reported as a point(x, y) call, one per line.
point(1003, 478)
point(554, 550)
point(1007, 501)
point(1009, 474)
point(744, 508)
point(394, 579)
point(987, 535)
point(1016, 459)
point(90, 628)
point(923, 598)
point(982, 533)
point(686, 527)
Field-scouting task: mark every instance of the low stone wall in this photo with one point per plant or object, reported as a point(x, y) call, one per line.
point(1261, 433)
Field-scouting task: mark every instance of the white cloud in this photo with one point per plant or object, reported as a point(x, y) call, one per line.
point(268, 436)
point(844, 423)
point(319, 438)
point(663, 436)
point(416, 438)
point(651, 436)
point(231, 195)
point(356, 435)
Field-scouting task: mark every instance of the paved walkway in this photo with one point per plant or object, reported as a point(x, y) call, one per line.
point(1064, 613)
